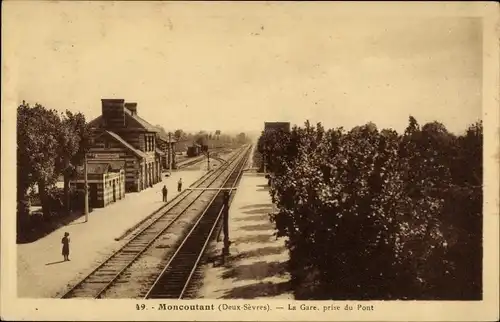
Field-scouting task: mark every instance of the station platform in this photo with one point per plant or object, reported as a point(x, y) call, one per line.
point(256, 267)
point(41, 273)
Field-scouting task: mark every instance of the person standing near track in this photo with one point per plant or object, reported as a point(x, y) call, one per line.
point(165, 193)
point(179, 185)
point(65, 248)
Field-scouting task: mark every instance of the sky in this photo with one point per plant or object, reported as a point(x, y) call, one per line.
point(232, 67)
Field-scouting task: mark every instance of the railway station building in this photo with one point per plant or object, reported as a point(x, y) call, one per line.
point(106, 183)
point(124, 140)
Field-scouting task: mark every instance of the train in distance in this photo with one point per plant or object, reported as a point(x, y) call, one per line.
point(196, 149)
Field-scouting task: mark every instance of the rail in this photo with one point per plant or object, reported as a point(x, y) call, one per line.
point(210, 235)
point(138, 250)
point(180, 196)
point(176, 275)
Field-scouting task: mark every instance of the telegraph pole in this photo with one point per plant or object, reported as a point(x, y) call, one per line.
point(170, 152)
point(225, 225)
point(226, 222)
point(86, 189)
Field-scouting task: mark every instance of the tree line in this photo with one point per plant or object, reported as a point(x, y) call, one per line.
point(49, 145)
point(203, 137)
point(371, 214)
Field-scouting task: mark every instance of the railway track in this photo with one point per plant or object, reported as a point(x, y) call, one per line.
point(174, 281)
point(192, 161)
point(119, 267)
point(187, 163)
point(197, 184)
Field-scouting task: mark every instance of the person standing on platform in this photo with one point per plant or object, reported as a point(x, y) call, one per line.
point(179, 185)
point(65, 248)
point(165, 193)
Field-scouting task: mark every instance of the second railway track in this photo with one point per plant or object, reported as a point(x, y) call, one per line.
point(132, 269)
point(177, 275)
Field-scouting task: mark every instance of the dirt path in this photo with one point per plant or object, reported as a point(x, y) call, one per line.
point(256, 267)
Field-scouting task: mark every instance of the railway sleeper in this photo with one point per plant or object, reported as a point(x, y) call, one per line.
point(101, 278)
point(86, 296)
point(133, 250)
point(121, 257)
point(172, 283)
point(109, 271)
point(101, 283)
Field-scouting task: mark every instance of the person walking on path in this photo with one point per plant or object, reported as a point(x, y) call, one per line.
point(164, 192)
point(179, 185)
point(65, 248)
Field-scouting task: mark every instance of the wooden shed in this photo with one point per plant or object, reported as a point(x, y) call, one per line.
point(106, 184)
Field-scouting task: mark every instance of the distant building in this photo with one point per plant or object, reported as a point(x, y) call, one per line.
point(126, 141)
point(270, 126)
point(166, 147)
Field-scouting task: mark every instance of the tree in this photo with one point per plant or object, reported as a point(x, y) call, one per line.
point(73, 142)
point(37, 153)
point(162, 130)
point(225, 138)
point(179, 134)
point(48, 144)
point(378, 215)
point(469, 156)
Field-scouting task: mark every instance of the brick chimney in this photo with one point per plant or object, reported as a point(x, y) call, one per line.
point(113, 113)
point(132, 107)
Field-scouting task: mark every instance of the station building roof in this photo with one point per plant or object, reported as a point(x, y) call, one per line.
point(132, 120)
point(100, 168)
point(142, 122)
point(126, 144)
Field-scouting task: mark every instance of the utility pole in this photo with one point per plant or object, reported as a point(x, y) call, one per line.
point(226, 222)
point(225, 225)
point(208, 161)
point(86, 189)
point(170, 151)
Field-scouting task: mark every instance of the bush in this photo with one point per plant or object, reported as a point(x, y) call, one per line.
point(55, 198)
point(378, 215)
